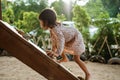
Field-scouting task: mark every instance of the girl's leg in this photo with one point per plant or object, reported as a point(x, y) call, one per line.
point(64, 58)
point(82, 66)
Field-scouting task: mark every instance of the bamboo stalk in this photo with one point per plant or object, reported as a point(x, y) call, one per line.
point(96, 42)
point(109, 49)
point(102, 45)
point(116, 40)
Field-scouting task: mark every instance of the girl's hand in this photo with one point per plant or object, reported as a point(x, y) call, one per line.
point(51, 54)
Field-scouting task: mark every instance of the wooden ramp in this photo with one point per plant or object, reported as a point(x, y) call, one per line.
point(31, 55)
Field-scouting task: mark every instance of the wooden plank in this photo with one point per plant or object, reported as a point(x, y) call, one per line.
point(31, 55)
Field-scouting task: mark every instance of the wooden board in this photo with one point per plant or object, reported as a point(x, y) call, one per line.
point(31, 55)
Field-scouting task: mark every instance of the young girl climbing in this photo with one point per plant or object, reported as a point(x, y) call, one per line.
point(64, 39)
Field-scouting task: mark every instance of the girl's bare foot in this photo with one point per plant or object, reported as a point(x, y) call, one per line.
point(87, 77)
point(63, 60)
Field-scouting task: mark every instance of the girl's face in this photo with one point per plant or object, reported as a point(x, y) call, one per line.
point(42, 25)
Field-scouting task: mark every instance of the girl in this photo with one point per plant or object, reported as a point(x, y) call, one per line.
point(64, 39)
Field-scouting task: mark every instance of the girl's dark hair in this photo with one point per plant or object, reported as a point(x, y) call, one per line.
point(48, 17)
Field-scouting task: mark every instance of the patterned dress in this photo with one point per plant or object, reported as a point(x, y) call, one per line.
point(66, 39)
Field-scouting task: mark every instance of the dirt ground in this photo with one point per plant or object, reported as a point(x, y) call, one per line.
point(13, 69)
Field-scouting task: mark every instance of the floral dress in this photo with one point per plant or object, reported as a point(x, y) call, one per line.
point(66, 39)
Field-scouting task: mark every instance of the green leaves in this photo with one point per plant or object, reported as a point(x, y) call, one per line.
point(29, 22)
point(108, 27)
point(61, 17)
point(112, 6)
point(8, 15)
point(95, 8)
point(58, 6)
point(80, 17)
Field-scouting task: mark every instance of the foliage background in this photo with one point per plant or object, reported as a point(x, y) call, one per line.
point(102, 14)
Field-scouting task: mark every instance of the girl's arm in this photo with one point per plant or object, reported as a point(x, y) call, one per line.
point(53, 44)
point(60, 42)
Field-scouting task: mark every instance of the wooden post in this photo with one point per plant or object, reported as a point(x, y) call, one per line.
point(0, 10)
point(102, 45)
point(31, 55)
point(96, 42)
point(109, 49)
point(116, 40)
